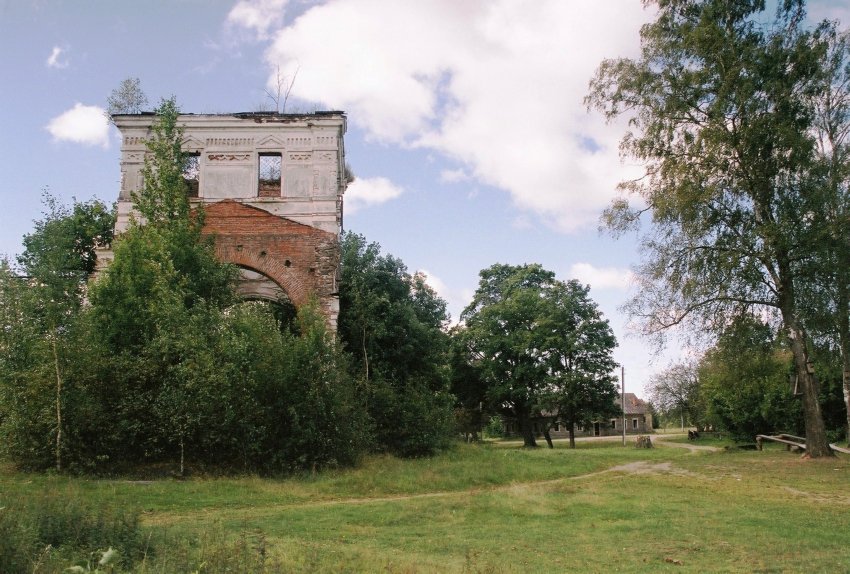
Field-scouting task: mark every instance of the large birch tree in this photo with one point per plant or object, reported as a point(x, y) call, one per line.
point(720, 116)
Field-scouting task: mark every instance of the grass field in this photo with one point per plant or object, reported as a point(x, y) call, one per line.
point(496, 508)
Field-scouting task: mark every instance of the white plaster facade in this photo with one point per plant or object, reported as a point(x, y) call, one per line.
point(229, 147)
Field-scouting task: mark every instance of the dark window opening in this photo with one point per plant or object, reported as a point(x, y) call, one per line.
point(192, 173)
point(269, 180)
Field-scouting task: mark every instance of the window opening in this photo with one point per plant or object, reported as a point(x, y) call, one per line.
point(192, 173)
point(634, 424)
point(269, 180)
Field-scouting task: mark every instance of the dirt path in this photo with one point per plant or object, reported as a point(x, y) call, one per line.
point(663, 439)
point(643, 467)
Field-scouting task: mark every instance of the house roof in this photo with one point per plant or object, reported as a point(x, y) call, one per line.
point(634, 405)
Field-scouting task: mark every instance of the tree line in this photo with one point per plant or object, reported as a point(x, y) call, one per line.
point(157, 364)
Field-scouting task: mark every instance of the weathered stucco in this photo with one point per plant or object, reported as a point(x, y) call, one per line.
point(286, 241)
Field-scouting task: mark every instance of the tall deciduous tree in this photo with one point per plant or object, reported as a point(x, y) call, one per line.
point(828, 296)
point(676, 390)
point(393, 324)
point(541, 347)
point(718, 107)
point(582, 386)
point(163, 288)
point(58, 258)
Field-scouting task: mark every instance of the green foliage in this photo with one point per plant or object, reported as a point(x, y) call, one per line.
point(308, 403)
point(392, 323)
point(724, 109)
point(494, 428)
point(540, 346)
point(676, 391)
point(744, 383)
point(62, 246)
point(47, 531)
point(37, 313)
point(163, 366)
point(127, 98)
point(163, 200)
point(414, 419)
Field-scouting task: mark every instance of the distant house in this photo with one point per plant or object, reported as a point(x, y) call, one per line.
point(638, 421)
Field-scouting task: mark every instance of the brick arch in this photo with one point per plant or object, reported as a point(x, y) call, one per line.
point(302, 260)
point(256, 286)
point(295, 284)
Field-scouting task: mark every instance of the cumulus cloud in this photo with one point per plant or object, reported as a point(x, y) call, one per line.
point(364, 192)
point(57, 58)
point(81, 124)
point(257, 16)
point(601, 277)
point(493, 84)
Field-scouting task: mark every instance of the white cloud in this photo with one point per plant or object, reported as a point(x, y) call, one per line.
point(435, 283)
point(365, 192)
point(81, 124)
point(494, 84)
point(257, 16)
point(453, 176)
point(56, 60)
point(456, 300)
point(601, 277)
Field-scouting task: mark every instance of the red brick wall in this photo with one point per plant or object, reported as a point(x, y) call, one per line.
point(301, 259)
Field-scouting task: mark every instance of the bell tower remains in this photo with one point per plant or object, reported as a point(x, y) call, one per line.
point(271, 186)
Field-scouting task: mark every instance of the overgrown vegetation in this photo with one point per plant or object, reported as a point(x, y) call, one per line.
point(163, 366)
point(166, 370)
point(393, 326)
point(48, 531)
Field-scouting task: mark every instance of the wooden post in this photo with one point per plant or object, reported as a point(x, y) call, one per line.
point(623, 399)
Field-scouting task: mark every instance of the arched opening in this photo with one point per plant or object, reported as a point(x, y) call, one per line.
point(255, 286)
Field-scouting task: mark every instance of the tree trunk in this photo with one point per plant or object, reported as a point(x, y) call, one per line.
point(845, 379)
point(572, 436)
point(365, 354)
point(816, 441)
point(527, 431)
point(548, 437)
point(182, 457)
point(58, 407)
point(844, 345)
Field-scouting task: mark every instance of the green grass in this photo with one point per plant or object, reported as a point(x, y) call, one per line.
point(496, 508)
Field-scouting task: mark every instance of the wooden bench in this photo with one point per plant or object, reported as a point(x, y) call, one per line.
point(790, 440)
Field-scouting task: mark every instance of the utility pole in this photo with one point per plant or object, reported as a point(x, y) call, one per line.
point(623, 399)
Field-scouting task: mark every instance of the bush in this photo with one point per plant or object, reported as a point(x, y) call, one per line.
point(494, 428)
point(412, 421)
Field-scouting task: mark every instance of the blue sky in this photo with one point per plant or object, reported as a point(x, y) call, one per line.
point(467, 131)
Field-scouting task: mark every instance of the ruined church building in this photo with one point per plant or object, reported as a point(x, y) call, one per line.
point(271, 185)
